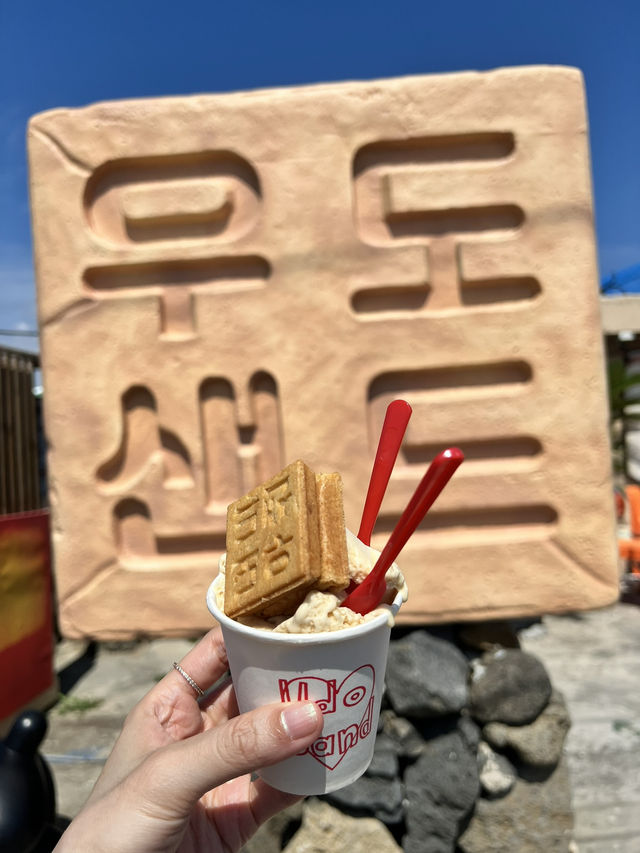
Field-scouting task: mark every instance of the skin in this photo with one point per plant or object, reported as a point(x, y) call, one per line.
point(179, 775)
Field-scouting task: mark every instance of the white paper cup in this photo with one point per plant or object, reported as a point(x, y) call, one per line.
point(343, 671)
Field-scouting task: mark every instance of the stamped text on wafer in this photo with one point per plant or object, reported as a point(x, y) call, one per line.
point(283, 538)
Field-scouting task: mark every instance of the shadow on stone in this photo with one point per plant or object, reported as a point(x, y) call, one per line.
point(73, 672)
point(534, 774)
point(289, 830)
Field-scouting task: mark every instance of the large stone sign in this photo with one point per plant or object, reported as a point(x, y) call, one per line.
point(227, 283)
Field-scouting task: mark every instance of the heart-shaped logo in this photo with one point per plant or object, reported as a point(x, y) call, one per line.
point(351, 702)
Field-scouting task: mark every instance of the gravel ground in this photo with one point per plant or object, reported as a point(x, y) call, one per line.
point(593, 659)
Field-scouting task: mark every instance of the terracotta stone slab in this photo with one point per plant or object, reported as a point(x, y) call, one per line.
point(227, 283)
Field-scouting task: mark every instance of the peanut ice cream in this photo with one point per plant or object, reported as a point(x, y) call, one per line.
point(321, 611)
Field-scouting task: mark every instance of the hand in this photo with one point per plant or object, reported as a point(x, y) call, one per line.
point(178, 778)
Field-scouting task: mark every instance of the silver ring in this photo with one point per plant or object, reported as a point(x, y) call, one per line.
point(188, 679)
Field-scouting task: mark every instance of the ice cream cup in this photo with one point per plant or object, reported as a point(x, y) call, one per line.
point(342, 671)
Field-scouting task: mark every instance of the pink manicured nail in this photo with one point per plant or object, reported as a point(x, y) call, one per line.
point(299, 720)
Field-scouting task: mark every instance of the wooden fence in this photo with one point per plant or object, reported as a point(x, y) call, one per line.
point(20, 469)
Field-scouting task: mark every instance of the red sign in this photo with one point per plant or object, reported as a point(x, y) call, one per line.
point(26, 620)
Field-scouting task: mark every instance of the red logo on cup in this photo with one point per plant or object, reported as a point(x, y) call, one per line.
point(356, 691)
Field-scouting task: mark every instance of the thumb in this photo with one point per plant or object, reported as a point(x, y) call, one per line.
point(178, 775)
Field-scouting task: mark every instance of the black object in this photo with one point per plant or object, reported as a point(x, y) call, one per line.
point(27, 795)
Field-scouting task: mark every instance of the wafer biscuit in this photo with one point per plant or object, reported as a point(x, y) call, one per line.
point(333, 540)
point(282, 540)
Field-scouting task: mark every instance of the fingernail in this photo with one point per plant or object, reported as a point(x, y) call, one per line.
point(299, 720)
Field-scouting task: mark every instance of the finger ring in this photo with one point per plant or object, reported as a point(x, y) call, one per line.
point(188, 679)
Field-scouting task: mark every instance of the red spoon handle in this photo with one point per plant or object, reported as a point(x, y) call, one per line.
point(438, 475)
point(393, 429)
point(367, 595)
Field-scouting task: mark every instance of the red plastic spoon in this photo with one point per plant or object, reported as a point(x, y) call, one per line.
point(368, 595)
point(393, 429)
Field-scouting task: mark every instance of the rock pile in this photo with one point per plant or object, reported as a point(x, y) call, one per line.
point(468, 757)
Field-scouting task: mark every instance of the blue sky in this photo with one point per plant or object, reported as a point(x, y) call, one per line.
point(71, 54)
